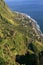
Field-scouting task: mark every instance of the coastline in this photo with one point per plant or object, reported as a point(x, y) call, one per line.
point(33, 20)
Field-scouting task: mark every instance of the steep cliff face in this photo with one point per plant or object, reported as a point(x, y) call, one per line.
point(18, 38)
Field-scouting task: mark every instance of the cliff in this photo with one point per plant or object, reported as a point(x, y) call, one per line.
point(19, 37)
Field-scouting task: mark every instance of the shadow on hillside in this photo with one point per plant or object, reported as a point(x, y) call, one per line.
point(41, 57)
point(31, 47)
point(27, 59)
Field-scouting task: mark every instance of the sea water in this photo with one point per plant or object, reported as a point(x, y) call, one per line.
point(33, 8)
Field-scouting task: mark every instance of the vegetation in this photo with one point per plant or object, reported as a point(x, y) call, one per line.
point(17, 37)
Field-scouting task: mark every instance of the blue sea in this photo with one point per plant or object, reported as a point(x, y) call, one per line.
point(33, 8)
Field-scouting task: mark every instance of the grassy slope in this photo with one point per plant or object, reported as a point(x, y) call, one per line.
point(15, 38)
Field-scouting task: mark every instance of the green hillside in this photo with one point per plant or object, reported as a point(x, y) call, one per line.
point(17, 37)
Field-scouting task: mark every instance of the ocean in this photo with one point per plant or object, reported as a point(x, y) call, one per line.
point(33, 8)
